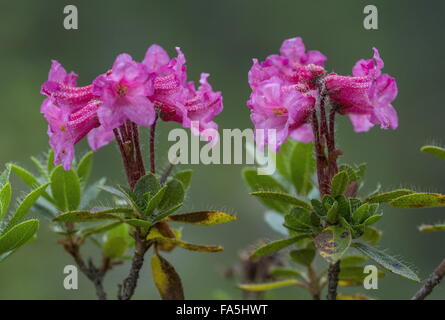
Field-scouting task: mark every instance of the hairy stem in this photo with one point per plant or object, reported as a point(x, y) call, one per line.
point(333, 272)
point(126, 290)
point(431, 282)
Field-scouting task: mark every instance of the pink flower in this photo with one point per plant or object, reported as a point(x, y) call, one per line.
point(124, 91)
point(99, 137)
point(366, 96)
point(202, 105)
point(276, 105)
point(293, 65)
point(65, 129)
point(62, 88)
point(176, 99)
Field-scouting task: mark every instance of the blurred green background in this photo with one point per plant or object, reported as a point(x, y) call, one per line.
point(221, 38)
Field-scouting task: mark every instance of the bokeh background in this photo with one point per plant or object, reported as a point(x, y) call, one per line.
point(221, 38)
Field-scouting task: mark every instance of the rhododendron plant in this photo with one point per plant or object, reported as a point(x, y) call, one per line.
point(294, 95)
point(118, 102)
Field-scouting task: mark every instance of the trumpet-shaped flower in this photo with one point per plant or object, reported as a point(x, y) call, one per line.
point(124, 92)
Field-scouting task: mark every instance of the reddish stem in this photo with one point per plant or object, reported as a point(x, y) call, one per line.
point(152, 146)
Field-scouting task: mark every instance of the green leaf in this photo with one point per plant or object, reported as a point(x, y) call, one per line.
point(282, 197)
point(50, 161)
point(18, 235)
point(275, 246)
point(87, 216)
point(361, 213)
point(154, 202)
point(435, 151)
point(270, 285)
point(339, 183)
point(65, 187)
point(26, 205)
point(352, 261)
point(116, 242)
point(84, 168)
point(146, 184)
point(372, 219)
point(388, 196)
point(184, 245)
point(299, 220)
point(283, 159)
point(138, 223)
point(344, 207)
point(302, 166)
point(386, 261)
point(185, 176)
point(4, 176)
point(332, 215)
point(354, 276)
point(166, 278)
point(419, 200)
point(265, 183)
point(26, 176)
point(371, 235)
point(286, 273)
point(203, 218)
point(432, 227)
point(173, 196)
point(5, 200)
point(164, 214)
point(98, 229)
point(303, 256)
point(333, 242)
point(318, 207)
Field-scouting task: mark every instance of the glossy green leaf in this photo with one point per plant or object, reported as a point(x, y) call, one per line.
point(282, 197)
point(26, 205)
point(265, 183)
point(299, 220)
point(18, 235)
point(270, 285)
point(303, 256)
point(65, 187)
point(283, 159)
point(164, 214)
point(388, 196)
point(372, 219)
point(435, 151)
point(419, 200)
point(352, 261)
point(173, 196)
point(166, 278)
point(204, 218)
point(5, 200)
point(302, 166)
point(185, 176)
point(333, 242)
point(275, 246)
point(361, 213)
point(386, 261)
point(318, 207)
point(50, 161)
point(84, 168)
point(87, 216)
point(286, 273)
point(146, 184)
point(154, 201)
point(332, 215)
point(339, 183)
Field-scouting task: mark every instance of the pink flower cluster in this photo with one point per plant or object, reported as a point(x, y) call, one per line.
point(287, 87)
point(130, 91)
